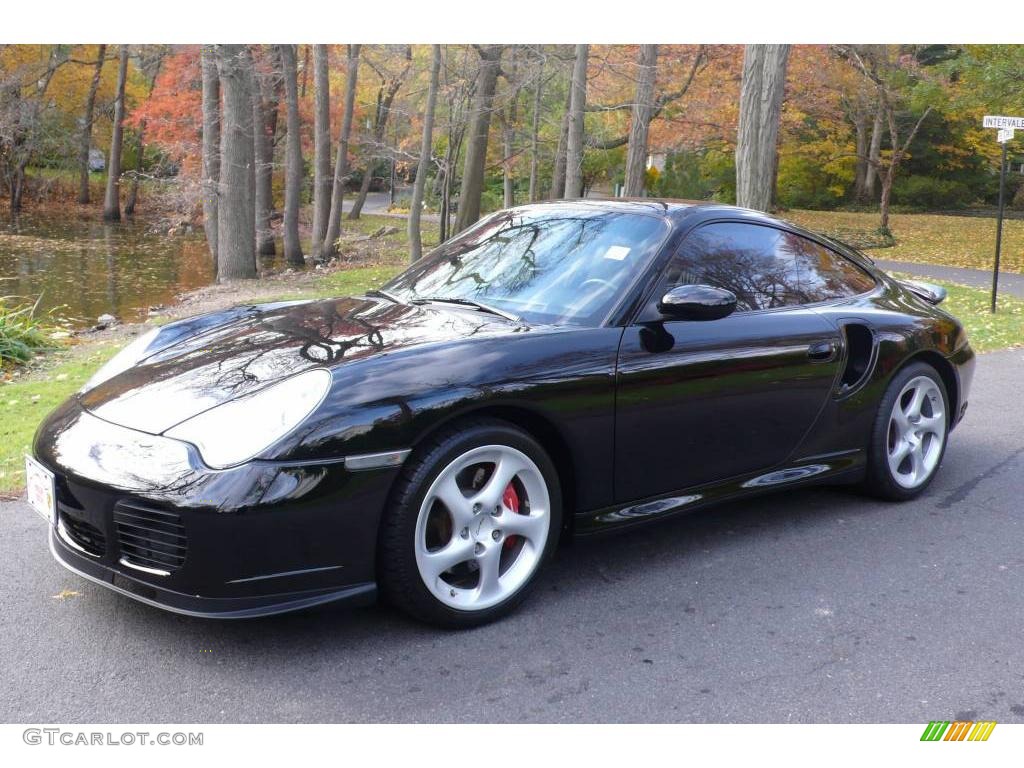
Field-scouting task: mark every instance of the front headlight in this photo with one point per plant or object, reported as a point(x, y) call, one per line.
point(122, 361)
point(241, 429)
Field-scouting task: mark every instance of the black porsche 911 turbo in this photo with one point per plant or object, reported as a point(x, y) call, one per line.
point(558, 369)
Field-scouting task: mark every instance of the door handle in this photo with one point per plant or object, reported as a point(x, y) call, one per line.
point(821, 351)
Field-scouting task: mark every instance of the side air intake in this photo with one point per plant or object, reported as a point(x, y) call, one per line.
point(860, 354)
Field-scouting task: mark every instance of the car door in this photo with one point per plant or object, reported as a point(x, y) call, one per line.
point(698, 401)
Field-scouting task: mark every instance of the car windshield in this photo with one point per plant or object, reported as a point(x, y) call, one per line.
point(545, 264)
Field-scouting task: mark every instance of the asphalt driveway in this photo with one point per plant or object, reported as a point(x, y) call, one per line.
point(811, 606)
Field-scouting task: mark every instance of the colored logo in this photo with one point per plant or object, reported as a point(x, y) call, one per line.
point(959, 730)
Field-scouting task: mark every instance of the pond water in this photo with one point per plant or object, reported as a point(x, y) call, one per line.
point(84, 268)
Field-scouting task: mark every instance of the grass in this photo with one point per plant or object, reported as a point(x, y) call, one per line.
point(987, 332)
point(954, 241)
point(347, 282)
point(22, 333)
point(25, 402)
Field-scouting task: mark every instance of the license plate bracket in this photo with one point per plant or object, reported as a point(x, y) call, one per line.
point(41, 488)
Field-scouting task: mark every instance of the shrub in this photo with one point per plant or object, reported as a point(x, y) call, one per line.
point(492, 198)
point(1014, 191)
point(21, 332)
point(929, 193)
point(681, 179)
point(803, 182)
point(703, 175)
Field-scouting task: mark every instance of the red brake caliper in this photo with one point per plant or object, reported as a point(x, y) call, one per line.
point(511, 501)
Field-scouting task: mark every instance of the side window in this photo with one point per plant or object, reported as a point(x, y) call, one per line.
point(765, 267)
point(752, 261)
point(825, 274)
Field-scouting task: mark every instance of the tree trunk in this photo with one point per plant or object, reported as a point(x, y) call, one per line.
point(112, 200)
point(292, 159)
point(426, 150)
point(264, 111)
point(874, 155)
point(456, 135)
point(385, 98)
point(479, 127)
point(558, 167)
point(535, 134)
point(18, 140)
point(575, 137)
point(883, 208)
point(364, 190)
point(236, 216)
point(761, 92)
point(330, 246)
point(643, 112)
point(509, 118)
point(508, 150)
point(321, 148)
point(305, 70)
point(897, 152)
point(85, 142)
point(211, 147)
point(508, 188)
point(133, 190)
point(446, 197)
point(17, 187)
point(140, 138)
point(860, 129)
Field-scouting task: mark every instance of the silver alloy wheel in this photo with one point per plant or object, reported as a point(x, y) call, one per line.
point(917, 431)
point(473, 549)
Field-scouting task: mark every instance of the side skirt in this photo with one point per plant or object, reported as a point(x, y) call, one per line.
point(839, 467)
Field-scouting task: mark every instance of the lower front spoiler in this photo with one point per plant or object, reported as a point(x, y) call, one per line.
point(207, 607)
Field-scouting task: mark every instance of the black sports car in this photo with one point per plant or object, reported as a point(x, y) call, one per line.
point(558, 369)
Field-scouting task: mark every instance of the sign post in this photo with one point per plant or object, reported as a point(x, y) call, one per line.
point(999, 222)
point(1006, 126)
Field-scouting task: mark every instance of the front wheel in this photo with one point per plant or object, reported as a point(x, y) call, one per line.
point(475, 514)
point(909, 436)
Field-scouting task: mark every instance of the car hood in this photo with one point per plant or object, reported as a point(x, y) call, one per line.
point(203, 362)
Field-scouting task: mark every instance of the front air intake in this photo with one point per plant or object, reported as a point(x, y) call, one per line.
point(150, 539)
point(80, 533)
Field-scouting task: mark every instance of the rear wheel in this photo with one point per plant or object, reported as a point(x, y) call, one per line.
point(909, 436)
point(475, 514)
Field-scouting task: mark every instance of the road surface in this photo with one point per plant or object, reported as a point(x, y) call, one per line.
point(810, 606)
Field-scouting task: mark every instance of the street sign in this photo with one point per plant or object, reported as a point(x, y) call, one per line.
point(1002, 121)
point(1006, 126)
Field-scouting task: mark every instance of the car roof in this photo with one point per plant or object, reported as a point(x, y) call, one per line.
point(676, 210)
point(688, 213)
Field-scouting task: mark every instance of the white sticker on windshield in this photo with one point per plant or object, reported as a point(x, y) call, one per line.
point(617, 252)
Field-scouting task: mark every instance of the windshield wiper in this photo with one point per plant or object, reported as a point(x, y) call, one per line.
point(468, 303)
point(377, 292)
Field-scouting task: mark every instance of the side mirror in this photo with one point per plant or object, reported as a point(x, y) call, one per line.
point(697, 302)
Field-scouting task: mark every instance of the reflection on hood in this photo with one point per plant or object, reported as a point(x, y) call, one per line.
point(253, 349)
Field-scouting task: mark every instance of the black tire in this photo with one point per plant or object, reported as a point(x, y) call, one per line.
point(879, 480)
point(399, 576)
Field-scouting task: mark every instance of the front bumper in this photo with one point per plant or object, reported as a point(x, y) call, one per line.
point(139, 514)
point(963, 362)
point(204, 607)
